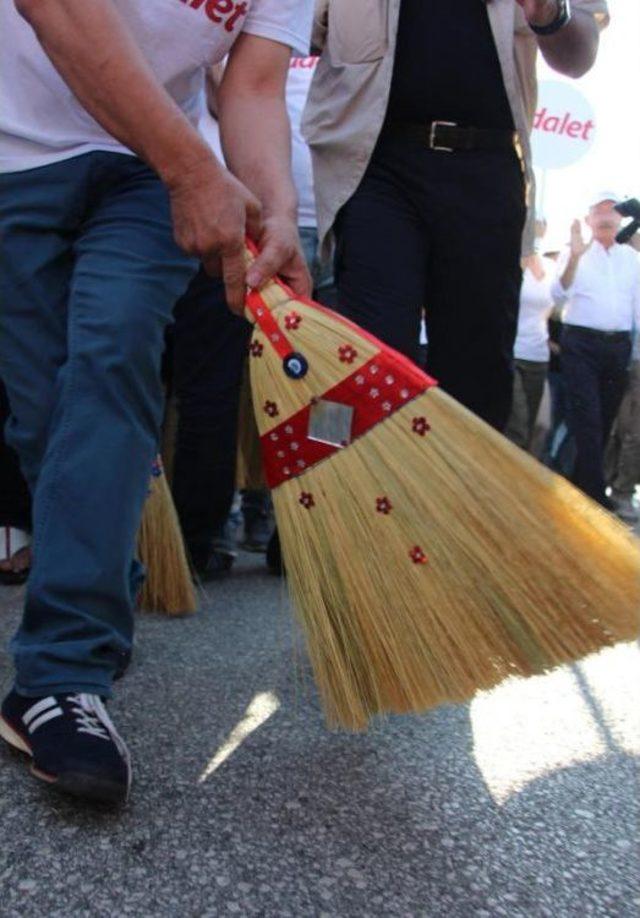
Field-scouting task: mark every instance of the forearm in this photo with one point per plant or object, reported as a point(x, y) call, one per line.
point(572, 51)
point(569, 274)
point(256, 140)
point(114, 83)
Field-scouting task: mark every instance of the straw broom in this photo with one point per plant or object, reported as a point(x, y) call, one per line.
point(168, 586)
point(427, 556)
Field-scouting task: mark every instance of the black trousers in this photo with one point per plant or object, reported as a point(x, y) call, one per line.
point(207, 351)
point(209, 347)
point(595, 372)
point(15, 500)
point(439, 231)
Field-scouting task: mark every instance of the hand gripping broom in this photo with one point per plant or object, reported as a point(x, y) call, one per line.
point(168, 586)
point(427, 556)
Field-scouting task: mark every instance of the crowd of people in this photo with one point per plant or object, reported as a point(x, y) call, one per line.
point(579, 329)
point(128, 180)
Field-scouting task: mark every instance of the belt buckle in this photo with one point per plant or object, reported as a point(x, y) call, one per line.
point(432, 136)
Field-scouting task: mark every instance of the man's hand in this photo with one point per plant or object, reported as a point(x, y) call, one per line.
point(539, 12)
point(577, 244)
point(212, 212)
point(280, 253)
point(577, 248)
point(256, 139)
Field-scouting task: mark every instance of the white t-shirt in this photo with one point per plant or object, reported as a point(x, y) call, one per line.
point(42, 122)
point(536, 303)
point(210, 131)
point(301, 70)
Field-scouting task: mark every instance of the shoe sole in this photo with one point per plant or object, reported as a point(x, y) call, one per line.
point(255, 548)
point(86, 787)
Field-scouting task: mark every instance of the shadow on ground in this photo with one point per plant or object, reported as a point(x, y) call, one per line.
point(299, 821)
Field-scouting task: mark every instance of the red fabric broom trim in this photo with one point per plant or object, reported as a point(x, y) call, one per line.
point(387, 382)
point(375, 391)
point(268, 325)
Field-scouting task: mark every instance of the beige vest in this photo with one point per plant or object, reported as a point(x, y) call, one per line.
point(350, 90)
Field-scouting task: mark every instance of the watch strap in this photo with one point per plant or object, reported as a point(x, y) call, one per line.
point(561, 20)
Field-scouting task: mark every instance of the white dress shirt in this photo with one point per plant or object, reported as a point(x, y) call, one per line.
point(605, 293)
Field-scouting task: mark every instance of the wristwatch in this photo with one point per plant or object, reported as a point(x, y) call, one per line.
point(561, 20)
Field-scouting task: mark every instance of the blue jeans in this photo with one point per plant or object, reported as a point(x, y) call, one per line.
point(321, 273)
point(89, 274)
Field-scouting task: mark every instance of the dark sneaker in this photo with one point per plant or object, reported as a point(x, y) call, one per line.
point(257, 533)
point(72, 743)
point(257, 513)
point(625, 509)
point(218, 557)
point(217, 565)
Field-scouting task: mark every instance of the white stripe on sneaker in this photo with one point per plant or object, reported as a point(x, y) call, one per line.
point(54, 712)
point(38, 708)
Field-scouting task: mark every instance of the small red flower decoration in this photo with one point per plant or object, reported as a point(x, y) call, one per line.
point(307, 500)
point(292, 321)
point(271, 409)
point(417, 555)
point(347, 353)
point(383, 505)
point(256, 349)
point(420, 426)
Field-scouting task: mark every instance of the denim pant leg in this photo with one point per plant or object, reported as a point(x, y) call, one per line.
point(517, 429)
point(624, 449)
point(324, 290)
point(40, 210)
point(102, 434)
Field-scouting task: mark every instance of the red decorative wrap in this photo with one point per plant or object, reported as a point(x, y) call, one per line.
point(265, 319)
point(375, 390)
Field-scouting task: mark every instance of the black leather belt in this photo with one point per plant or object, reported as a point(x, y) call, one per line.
point(598, 332)
point(449, 137)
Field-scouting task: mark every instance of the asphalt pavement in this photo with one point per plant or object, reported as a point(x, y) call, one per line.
point(523, 803)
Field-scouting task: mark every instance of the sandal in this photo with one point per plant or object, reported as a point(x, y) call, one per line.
point(15, 555)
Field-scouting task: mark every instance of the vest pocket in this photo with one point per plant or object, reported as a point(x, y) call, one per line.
point(357, 31)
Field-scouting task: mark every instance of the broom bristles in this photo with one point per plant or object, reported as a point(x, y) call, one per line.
point(522, 573)
point(168, 586)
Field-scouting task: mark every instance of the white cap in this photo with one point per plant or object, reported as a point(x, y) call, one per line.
point(601, 196)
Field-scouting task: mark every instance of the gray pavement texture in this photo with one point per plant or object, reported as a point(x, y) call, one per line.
point(523, 803)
